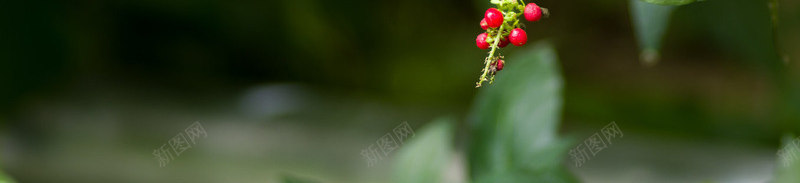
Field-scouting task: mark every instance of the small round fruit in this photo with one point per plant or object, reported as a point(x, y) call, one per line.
point(518, 37)
point(481, 41)
point(500, 64)
point(533, 12)
point(503, 42)
point(484, 25)
point(493, 17)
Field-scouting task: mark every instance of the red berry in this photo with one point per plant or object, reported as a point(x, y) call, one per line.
point(481, 41)
point(500, 64)
point(518, 37)
point(493, 17)
point(503, 42)
point(484, 25)
point(533, 12)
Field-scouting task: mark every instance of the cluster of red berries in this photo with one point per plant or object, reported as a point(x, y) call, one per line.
point(503, 28)
point(493, 18)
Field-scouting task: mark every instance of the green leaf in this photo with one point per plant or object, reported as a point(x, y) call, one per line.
point(514, 121)
point(788, 169)
point(423, 159)
point(294, 179)
point(561, 175)
point(649, 22)
point(5, 178)
point(669, 2)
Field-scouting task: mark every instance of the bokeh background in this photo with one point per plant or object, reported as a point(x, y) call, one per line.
point(297, 88)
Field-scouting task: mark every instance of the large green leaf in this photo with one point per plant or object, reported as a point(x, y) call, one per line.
point(669, 2)
point(295, 179)
point(650, 22)
point(514, 122)
point(424, 158)
point(5, 178)
point(555, 175)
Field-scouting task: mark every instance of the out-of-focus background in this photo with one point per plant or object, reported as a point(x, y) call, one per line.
point(298, 88)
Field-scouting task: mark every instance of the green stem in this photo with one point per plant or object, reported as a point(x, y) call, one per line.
point(488, 60)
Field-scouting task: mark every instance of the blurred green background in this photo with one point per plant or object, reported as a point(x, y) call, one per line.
point(300, 87)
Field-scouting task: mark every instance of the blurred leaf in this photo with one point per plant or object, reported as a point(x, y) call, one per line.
point(669, 2)
point(560, 175)
point(788, 170)
point(515, 120)
point(423, 158)
point(294, 179)
point(650, 22)
point(5, 178)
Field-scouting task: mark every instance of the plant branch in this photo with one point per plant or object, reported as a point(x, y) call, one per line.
point(489, 59)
